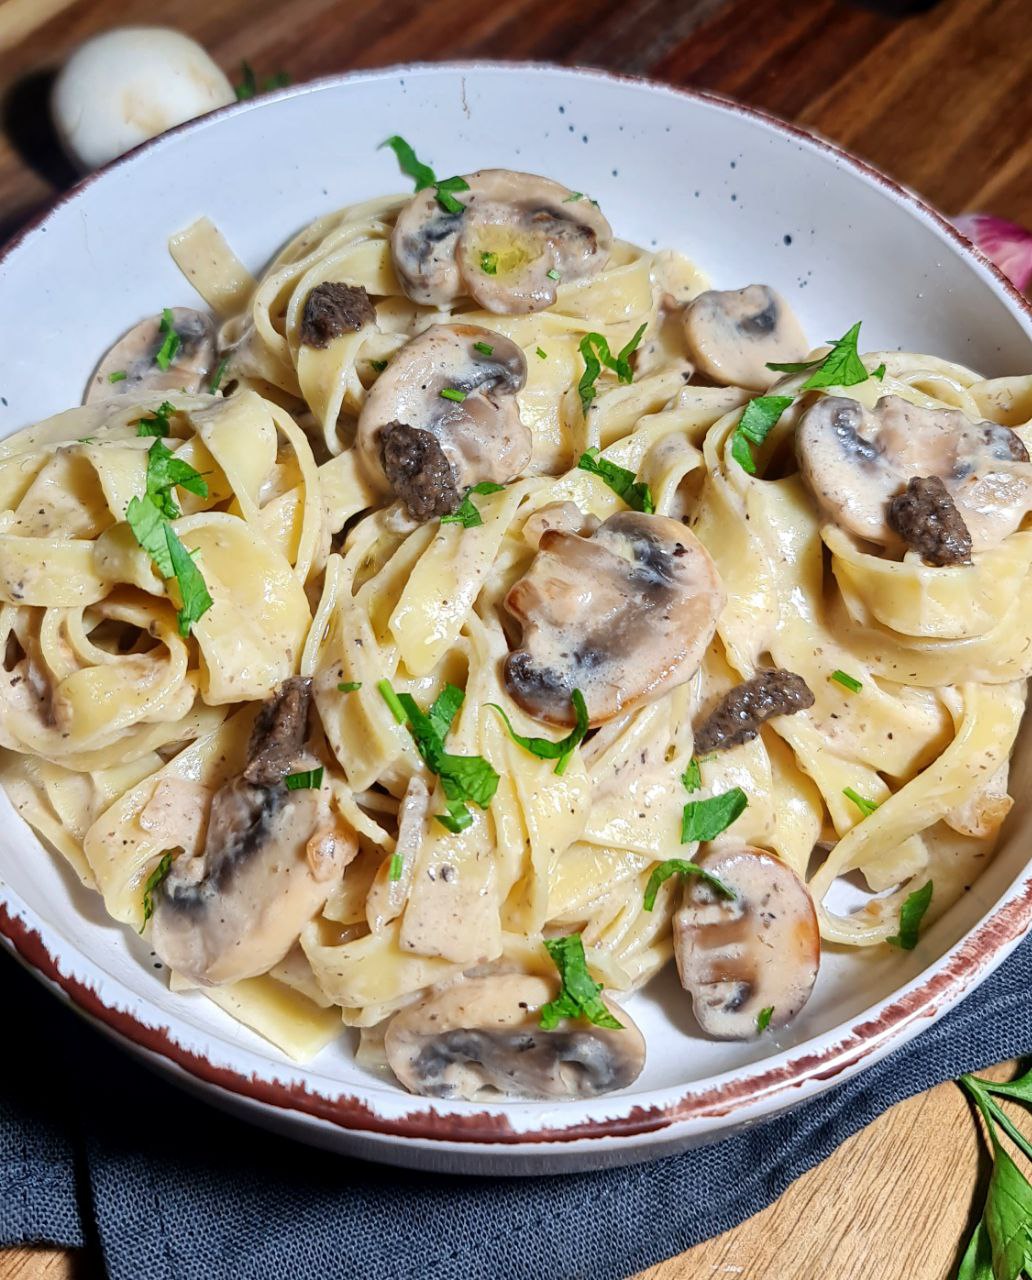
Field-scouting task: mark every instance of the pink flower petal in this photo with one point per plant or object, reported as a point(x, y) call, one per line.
point(1004, 243)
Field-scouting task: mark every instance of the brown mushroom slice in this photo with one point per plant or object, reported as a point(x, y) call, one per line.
point(517, 237)
point(134, 355)
point(270, 858)
point(623, 615)
point(856, 461)
point(732, 334)
point(481, 1037)
point(429, 447)
point(760, 950)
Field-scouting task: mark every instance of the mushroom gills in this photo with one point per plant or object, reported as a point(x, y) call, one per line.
point(135, 353)
point(623, 615)
point(732, 335)
point(481, 1037)
point(859, 463)
point(517, 237)
point(759, 951)
point(270, 857)
point(429, 447)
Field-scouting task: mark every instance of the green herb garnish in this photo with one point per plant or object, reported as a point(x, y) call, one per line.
point(171, 342)
point(545, 748)
point(678, 866)
point(579, 994)
point(444, 190)
point(635, 493)
point(157, 424)
point(453, 393)
point(595, 350)
point(153, 880)
point(910, 916)
point(761, 416)
point(466, 513)
point(841, 367)
point(878, 373)
point(763, 1018)
point(397, 863)
point(691, 779)
point(349, 686)
point(574, 195)
point(193, 590)
point(462, 778)
point(379, 365)
point(484, 348)
point(119, 375)
point(866, 807)
point(847, 681)
point(219, 374)
point(706, 819)
point(308, 780)
point(409, 163)
point(541, 355)
point(489, 264)
point(553, 274)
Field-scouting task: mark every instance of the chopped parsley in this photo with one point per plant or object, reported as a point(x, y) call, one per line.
point(635, 493)
point(219, 374)
point(595, 350)
point(691, 779)
point(847, 681)
point(466, 513)
point(157, 424)
point(574, 195)
point(761, 416)
point(193, 591)
point(349, 686)
point(463, 778)
point(553, 274)
point(379, 365)
point(117, 375)
point(153, 880)
point(409, 163)
point(841, 367)
point(308, 780)
point(910, 916)
point(878, 373)
point(545, 748)
point(453, 393)
point(444, 190)
point(866, 807)
point(171, 342)
point(484, 348)
point(489, 264)
point(706, 819)
point(541, 355)
point(580, 996)
point(678, 866)
point(763, 1019)
point(397, 863)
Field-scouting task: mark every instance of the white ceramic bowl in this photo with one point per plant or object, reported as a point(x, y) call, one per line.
point(749, 199)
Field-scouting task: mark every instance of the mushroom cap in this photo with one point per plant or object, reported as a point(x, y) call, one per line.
point(529, 225)
point(133, 354)
point(623, 615)
point(481, 1036)
point(758, 951)
point(856, 460)
point(270, 857)
point(481, 436)
point(733, 333)
point(130, 84)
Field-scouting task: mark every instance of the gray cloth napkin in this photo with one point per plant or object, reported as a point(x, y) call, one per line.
point(94, 1149)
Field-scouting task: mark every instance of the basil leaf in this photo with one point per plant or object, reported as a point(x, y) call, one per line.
point(635, 493)
point(309, 780)
point(408, 162)
point(977, 1263)
point(678, 866)
point(706, 819)
point(910, 917)
point(761, 415)
point(153, 880)
point(579, 994)
point(169, 348)
point(192, 588)
point(1008, 1214)
point(545, 748)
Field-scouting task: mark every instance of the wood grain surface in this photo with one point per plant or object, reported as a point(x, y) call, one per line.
point(941, 101)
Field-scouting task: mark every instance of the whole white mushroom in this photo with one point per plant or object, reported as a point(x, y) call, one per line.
point(130, 84)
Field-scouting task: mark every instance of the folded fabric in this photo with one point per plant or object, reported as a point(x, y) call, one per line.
point(94, 1148)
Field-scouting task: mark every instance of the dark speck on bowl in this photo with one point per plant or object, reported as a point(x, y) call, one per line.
point(584, 137)
point(786, 238)
point(562, 109)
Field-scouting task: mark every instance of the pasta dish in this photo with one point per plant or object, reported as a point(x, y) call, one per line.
point(475, 612)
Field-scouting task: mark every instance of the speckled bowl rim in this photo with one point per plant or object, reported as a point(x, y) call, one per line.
point(744, 1094)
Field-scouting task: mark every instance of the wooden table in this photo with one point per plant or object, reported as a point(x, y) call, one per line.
point(941, 101)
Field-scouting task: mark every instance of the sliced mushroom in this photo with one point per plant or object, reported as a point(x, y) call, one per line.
point(515, 240)
point(430, 447)
point(759, 951)
point(135, 352)
point(481, 1037)
point(270, 858)
point(856, 461)
point(623, 615)
point(732, 334)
